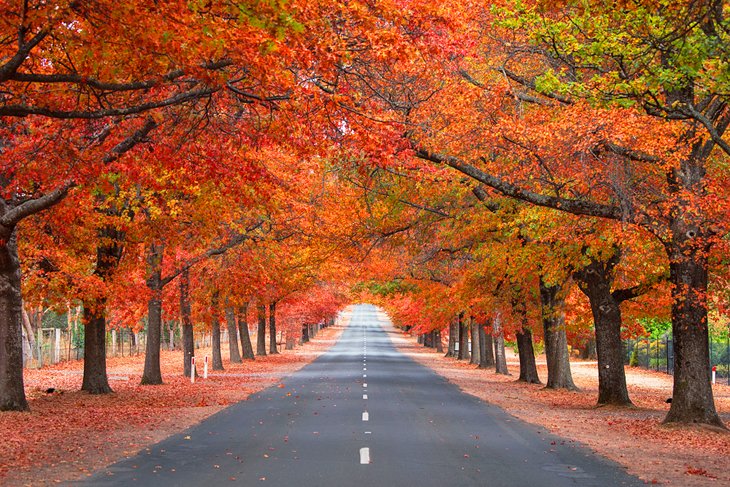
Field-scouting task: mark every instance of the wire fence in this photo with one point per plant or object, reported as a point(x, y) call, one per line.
point(50, 346)
point(658, 354)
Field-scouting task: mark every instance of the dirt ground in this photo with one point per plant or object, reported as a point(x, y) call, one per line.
point(633, 437)
point(69, 434)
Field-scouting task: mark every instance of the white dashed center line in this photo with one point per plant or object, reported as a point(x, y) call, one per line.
point(364, 396)
point(365, 416)
point(364, 456)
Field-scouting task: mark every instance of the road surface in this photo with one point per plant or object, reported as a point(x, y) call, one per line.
point(364, 414)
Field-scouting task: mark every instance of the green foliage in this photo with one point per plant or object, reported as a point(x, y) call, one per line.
point(388, 288)
point(655, 327)
point(632, 54)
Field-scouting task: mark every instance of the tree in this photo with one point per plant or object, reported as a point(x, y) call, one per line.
point(650, 110)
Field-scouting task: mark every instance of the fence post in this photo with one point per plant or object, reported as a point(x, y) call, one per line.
point(39, 344)
point(57, 345)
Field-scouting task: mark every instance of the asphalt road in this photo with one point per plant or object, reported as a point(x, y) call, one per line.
point(364, 414)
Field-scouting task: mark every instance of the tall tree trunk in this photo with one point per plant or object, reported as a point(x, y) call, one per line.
point(556, 343)
point(187, 323)
point(420, 339)
point(486, 358)
point(234, 353)
point(500, 358)
point(437, 340)
point(692, 398)
point(261, 334)
point(427, 339)
point(596, 281)
point(453, 335)
point(463, 338)
point(12, 393)
point(152, 375)
point(108, 255)
point(272, 328)
point(528, 367)
point(246, 347)
point(215, 326)
point(289, 341)
point(475, 350)
point(305, 333)
point(29, 329)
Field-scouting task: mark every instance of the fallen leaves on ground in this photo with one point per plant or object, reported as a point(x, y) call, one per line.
point(687, 456)
point(69, 433)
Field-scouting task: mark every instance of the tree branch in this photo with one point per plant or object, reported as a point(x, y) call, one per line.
point(35, 205)
point(26, 110)
point(574, 206)
point(232, 242)
point(8, 69)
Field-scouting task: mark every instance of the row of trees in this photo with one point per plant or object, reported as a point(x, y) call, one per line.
point(570, 142)
point(477, 159)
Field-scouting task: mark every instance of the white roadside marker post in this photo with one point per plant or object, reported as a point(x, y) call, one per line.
point(192, 370)
point(205, 368)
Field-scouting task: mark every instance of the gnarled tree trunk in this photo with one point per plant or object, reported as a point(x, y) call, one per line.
point(692, 398)
point(528, 367)
point(475, 349)
point(486, 359)
point(152, 374)
point(187, 323)
point(12, 393)
point(273, 350)
point(437, 340)
point(261, 333)
point(596, 281)
point(246, 346)
point(556, 343)
point(463, 338)
point(233, 352)
point(215, 326)
point(108, 255)
point(500, 358)
point(453, 335)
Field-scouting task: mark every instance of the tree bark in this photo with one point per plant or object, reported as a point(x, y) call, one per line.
point(556, 343)
point(500, 358)
point(692, 398)
point(453, 332)
point(152, 375)
point(234, 353)
point(475, 350)
point(261, 334)
point(463, 338)
point(273, 350)
point(289, 341)
point(12, 393)
point(437, 339)
point(528, 367)
point(246, 347)
point(486, 359)
point(108, 255)
point(595, 281)
point(29, 329)
point(215, 326)
point(187, 323)
point(305, 333)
